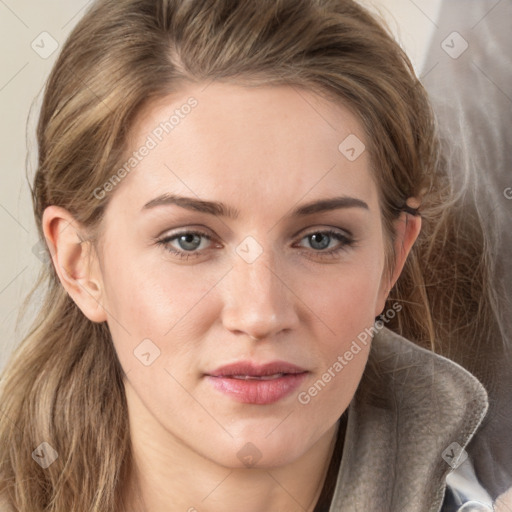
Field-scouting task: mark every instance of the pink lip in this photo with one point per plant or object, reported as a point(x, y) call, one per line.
point(287, 377)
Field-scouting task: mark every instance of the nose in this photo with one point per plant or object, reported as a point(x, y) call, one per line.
point(258, 300)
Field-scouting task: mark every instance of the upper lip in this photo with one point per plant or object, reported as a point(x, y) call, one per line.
point(256, 370)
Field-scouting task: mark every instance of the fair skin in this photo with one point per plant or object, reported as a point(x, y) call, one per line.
point(263, 151)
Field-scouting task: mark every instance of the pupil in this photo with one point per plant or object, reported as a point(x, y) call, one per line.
point(188, 239)
point(321, 239)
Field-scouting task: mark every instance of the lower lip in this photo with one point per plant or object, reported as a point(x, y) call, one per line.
point(259, 392)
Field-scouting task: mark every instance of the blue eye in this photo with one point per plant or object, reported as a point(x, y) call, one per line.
point(187, 244)
point(321, 240)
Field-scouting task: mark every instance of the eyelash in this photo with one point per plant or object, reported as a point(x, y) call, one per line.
point(347, 242)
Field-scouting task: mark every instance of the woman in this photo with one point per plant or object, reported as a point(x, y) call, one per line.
point(229, 191)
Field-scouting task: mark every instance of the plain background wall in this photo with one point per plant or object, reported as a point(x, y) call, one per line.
point(28, 32)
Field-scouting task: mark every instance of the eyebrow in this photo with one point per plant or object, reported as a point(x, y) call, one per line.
point(220, 210)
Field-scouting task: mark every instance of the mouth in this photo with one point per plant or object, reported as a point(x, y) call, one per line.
point(249, 383)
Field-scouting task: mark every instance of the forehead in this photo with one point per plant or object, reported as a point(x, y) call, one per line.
point(259, 145)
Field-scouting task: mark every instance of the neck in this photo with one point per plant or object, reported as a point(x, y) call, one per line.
point(172, 477)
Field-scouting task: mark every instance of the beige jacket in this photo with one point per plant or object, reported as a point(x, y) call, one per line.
point(412, 415)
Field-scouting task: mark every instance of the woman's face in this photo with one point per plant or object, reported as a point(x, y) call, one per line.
point(229, 308)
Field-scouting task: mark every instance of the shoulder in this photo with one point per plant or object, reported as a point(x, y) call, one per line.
point(419, 375)
point(415, 408)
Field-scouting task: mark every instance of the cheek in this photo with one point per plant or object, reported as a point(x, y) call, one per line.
point(342, 354)
point(346, 298)
point(346, 303)
point(157, 302)
point(345, 306)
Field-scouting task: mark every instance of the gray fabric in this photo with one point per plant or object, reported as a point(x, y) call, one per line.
point(410, 407)
point(472, 96)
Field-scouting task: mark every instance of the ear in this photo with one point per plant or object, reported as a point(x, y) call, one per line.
point(75, 261)
point(407, 228)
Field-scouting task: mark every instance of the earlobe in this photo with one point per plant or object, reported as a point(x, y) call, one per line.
point(75, 261)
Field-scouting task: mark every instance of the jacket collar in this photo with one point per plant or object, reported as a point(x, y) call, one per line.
point(410, 408)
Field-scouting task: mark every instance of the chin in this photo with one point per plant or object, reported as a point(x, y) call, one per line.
point(264, 451)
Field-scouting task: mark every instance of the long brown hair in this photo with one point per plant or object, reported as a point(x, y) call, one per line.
point(121, 56)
